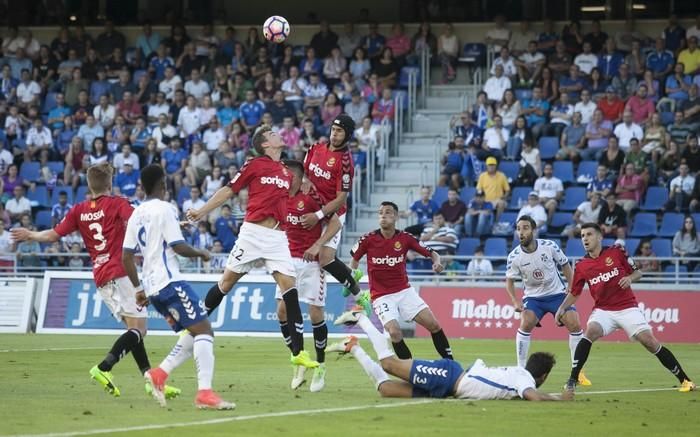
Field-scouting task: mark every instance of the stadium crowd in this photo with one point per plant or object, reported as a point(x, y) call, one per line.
point(573, 127)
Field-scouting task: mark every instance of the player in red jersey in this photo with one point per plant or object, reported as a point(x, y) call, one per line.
point(392, 296)
point(101, 222)
point(609, 273)
point(330, 169)
point(262, 235)
point(305, 245)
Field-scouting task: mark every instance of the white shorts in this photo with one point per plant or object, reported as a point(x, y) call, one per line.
point(334, 242)
point(257, 242)
point(120, 297)
point(403, 305)
point(631, 320)
point(311, 283)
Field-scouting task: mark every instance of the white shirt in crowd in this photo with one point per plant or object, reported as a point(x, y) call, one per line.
point(26, 92)
point(287, 87)
point(168, 87)
point(509, 68)
point(492, 140)
point(479, 267)
point(190, 204)
point(198, 89)
point(537, 212)
point(496, 86)
point(188, 121)
point(586, 212)
point(105, 116)
point(625, 133)
point(120, 161)
point(686, 184)
point(586, 110)
point(212, 139)
point(586, 62)
point(155, 110)
point(548, 188)
point(40, 137)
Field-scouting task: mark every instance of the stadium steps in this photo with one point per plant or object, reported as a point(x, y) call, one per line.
point(449, 103)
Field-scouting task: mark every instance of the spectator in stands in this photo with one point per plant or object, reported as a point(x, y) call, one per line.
point(126, 157)
point(611, 106)
point(655, 137)
point(126, 181)
point(479, 217)
point(572, 140)
point(585, 106)
point(535, 111)
point(694, 205)
point(156, 108)
point(694, 30)
point(530, 64)
point(496, 138)
point(586, 212)
point(560, 115)
point(373, 43)
point(481, 111)
point(668, 162)
point(572, 84)
point(6, 248)
point(496, 85)
point(648, 264)
point(60, 209)
point(610, 60)
point(549, 189)
point(508, 109)
point(637, 62)
point(174, 162)
point(38, 138)
point(383, 109)
point(519, 134)
point(399, 43)
point(129, 108)
point(27, 253)
point(452, 162)
point(506, 61)
point(629, 189)
point(530, 164)
point(359, 67)
point(27, 91)
point(453, 211)
point(587, 60)
point(478, 266)
point(560, 61)
point(534, 209)
point(18, 205)
point(499, 35)
point(357, 108)
point(99, 152)
point(691, 109)
point(195, 201)
point(691, 155)
point(678, 84)
point(348, 40)
point(199, 165)
point(674, 34)
point(548, 38)
point(661, 61)
point(495, 186)
point(680, 190)
point(686, 242)
point(641, 106)
point(226, 228)
point(624, 83)
point(105, 113)
point(612, 218)
point(448, 50)
point(521, 38)
point(213, 136)
point(74, 163)
point(598, 131)
point(627, 130)
point(612, 157)
point(690, 57)
point(438, 236)
point(423, 40)
point(196, 86)
point(8, 84)
point(424, 209)
point(386, 68)
point(107, 41)
point(57, 114)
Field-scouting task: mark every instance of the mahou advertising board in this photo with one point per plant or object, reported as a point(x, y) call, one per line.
point(487, 312)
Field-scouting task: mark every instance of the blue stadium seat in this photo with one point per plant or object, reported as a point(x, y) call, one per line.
point(137, 75)
point(667, 118)
point(39, 195)
point(671, 268)
point(574, 248)
point(184, 194)
point(467, 245)
point(30, 170)
point(510, 169)
point(299, 51)
point(519, 194)
point(49, 103)
point(56, 166)
point(508, 217)
point(631, 245)
point(559, 222)
point(573, 197)
point(662, 247)
point(608, 242)
point(3, 138)
point(403, 76)
point(404, 97)
point(55, 193)
point(696, 218)
point(655, 199)
point(644, 225)
point(671, 223)
point(439, 196)
point(523, 94)
point(587, 169)
point(43, 220)
point(549, 146)
point(467, 194)
point(81, 193)
point(473, 54)
point(564, 170)
point(496, 247)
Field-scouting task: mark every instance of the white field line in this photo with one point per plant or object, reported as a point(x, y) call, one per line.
point(52, 349)
point(299, 413)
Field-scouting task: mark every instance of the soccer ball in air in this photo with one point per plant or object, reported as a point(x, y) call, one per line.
point(276, 29)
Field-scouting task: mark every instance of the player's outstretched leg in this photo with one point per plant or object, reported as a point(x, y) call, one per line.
point(290, 296)
point(102, 373)
point(573, 325)
point(427, 319)
point(203, 351)
point(219, 290)
point(372, 369)
point(349, 279)
point(318, 322)
point(298, 372)
point(667, 359)
point(593, 332)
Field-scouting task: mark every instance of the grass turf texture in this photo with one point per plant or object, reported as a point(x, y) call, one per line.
point(50, 392)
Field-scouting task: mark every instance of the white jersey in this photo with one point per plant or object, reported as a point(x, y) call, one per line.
point(481, 382)
point(538, 270)
point(154, 227)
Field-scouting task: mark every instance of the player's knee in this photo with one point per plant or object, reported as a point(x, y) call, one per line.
point(395, 334)
point(316, 314)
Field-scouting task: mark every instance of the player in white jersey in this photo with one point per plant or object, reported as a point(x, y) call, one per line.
point(154, 228)
point(445, 378)
point(537, 262)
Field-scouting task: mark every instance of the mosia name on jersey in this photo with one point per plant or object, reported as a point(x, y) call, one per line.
point(91, 216)
point(274, 180)
point(319, 172)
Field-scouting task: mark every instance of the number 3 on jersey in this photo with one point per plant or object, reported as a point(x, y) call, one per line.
point(97, 236)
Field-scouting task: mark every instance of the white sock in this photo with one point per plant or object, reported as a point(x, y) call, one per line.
point(181, 352)
point(379, 341)
point(204, 358)
point(372, 369)
point(522, 346)
point(574, 338)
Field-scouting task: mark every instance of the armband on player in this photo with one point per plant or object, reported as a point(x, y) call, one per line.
point(319, 214)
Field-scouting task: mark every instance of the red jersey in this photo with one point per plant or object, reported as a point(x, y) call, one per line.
point(329, 171)
point(386, 260)
point(268, 183)
point(102, 224)
point(301, 239)
point(603, 275)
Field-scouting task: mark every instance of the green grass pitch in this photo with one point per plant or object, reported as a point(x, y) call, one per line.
point(49, 392)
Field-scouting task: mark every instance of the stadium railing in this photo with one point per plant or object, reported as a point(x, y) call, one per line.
point(425, 56)
point(677, 275)
point(358, 196)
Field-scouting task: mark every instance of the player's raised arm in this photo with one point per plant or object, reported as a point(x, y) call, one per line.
point(22, 234)
point(215, 201)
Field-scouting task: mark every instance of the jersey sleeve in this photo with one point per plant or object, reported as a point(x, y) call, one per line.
point(125, 209)
point(522, 381)
point(171, 227)
point(359, 249)
point(68, 224)
point(579, 280)
point(418, 246)
point(558, 255)
point(626, 261)
point(131, 242)
point(307, 159)
point(347, 173)
point(243, 177)
point(512, 269)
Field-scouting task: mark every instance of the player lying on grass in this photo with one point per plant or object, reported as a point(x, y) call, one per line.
point(101, 222)
point(444, 378)
point(609, 273)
